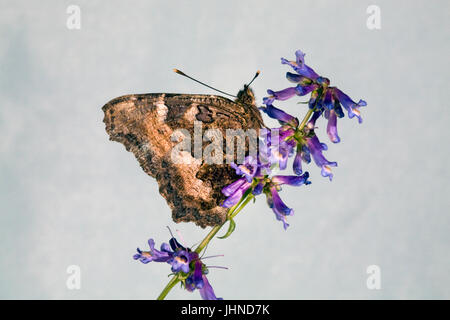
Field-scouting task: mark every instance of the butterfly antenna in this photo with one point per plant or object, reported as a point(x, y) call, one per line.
point(256, 75)
point(185, 75)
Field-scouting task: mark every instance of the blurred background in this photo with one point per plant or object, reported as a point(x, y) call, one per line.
point(69, 196)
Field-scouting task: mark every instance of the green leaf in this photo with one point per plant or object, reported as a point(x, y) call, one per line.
point(231, 228)
point(236, 206)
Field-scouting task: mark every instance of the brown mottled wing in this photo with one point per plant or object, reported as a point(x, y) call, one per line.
point(144, 123)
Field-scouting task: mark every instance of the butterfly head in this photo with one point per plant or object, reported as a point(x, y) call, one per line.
point(246, 96)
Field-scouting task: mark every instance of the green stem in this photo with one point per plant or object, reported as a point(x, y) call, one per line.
point(305, 119)
point(175, 279)
point(247, 200)
point(208, 238)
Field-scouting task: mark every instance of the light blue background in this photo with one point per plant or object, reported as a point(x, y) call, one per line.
point(69, 196)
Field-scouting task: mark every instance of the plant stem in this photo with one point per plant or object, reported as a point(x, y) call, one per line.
point(305, 119)
point(175, 279)
point(244, 203)
point(208, 238)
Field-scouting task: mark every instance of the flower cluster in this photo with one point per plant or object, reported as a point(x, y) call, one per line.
point(303, 142)
point(184, 262)
point(323, 97)
point(293, 139)
point(255, 180)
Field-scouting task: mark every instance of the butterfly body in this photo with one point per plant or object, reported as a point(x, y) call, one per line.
point(145, 124)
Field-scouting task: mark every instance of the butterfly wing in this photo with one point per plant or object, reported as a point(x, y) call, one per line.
point(144, 124)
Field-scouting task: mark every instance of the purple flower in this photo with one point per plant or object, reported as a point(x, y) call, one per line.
point(323, 82)
point(315, 148)
point(279, 144)
point(252, 169)
point(302, 154)
point(280, 115)
point(312, 103)
point(304, 90)
point(332, 126)
point(312, 122)
point(328, 99)
point(297, 166)
point(180, 261)
point(180, 257)
point(273, 198)
point(303, 144)
point(295, 181)
point(322, 96)
point(270, 186)
point(234, 192)
point(332, 98)
point(279, 208)
point(257, 190)
point(195, 279)
point(248, 168)
point(207, 292)
point(351, 106)
point(284, 94)
point(153, 255)
point(183, 260)
point(305, 85)
point(281, 152)
point(198, 280)
point(300, 67)
point(296, 78)
point(233, 187)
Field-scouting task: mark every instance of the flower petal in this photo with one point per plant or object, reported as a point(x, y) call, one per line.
point(180, 261)
point(236, 196)
point(297, 166)
point(248, 168)
point(280, 115)
point(231, 188)
point(174, 244)
point(316, 149)
point(278, 204)
point(300, 67)
point(332, 127)
point(258, 189)
point(312, 122)
point(207, 292)
point(328, 101)
point(284, 94)
point(152, 254)
point(296, 78)
point(351, 106)
point(291, 180)
point(198, 274)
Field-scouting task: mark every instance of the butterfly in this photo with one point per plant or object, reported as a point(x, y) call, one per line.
point(145, 123)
